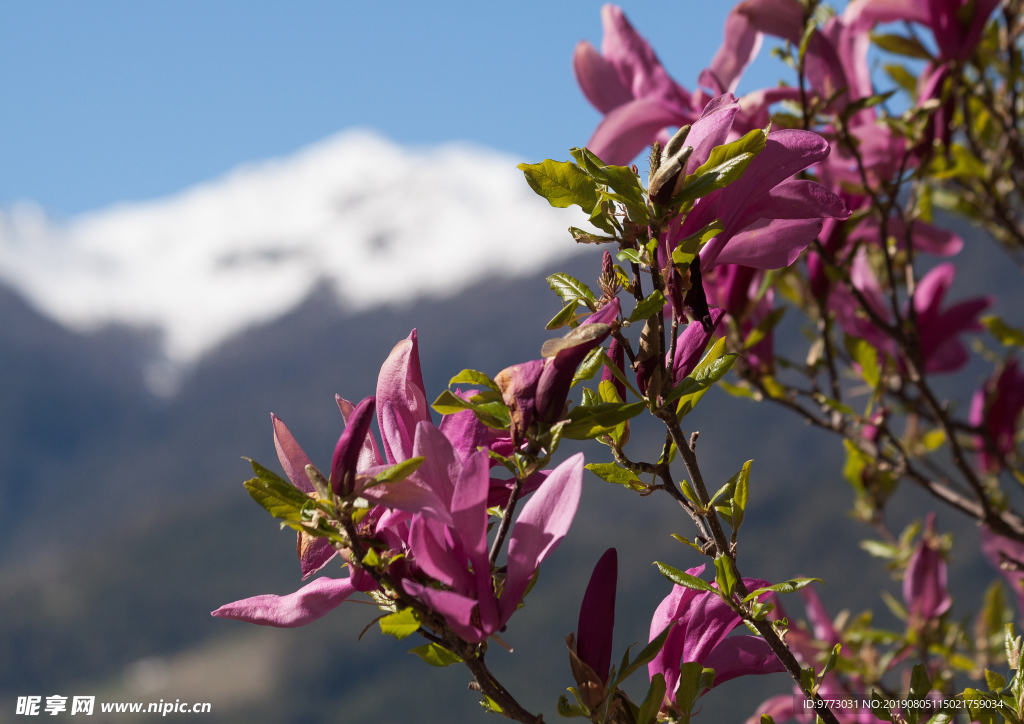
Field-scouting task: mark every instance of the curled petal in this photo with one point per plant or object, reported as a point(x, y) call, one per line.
point(369, 455)
point(350, 446)
point(306, 605)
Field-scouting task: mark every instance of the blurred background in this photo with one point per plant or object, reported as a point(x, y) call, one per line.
point(214, 210)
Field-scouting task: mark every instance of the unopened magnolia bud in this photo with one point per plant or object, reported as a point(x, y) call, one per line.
point(676, 142)
point(323, 488)
point(607, 267)
point(669, 177)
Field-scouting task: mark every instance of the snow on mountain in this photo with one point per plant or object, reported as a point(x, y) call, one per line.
point(381, 223)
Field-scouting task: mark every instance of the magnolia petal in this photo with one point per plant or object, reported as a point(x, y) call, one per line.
point(691, 345)
point(441, 468)
point(598, 79)
point(710, 130)
point(502, 489)
point(369, 455)
point(925, 588)
point(998, 550)
point(306, 605)
point(865, 14)
point(293, 459)
point(709, 620)
point(469, 514)
point(781, 18)
point(401, 399)
point(780, 708)
point(350, 446)
point(740, 44)
point(456, 609)
point(638, 66)
point(631, 127)
point(436, 558)
point(818, 616)
point(539, 529)
point(742, 656)
point(314, 554)
point(765, 244)
point(671, 608)
point(597, 615)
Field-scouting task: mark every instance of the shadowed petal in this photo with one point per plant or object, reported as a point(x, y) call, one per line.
point(925, 590)
point(456, 609)
point(742, 656)
point(350, 446)
point(672, 608)
point(314, 553)
point(441, 468)
point(469, 513)
point(691, 345)
point(597, 615)
point(767, 243)
point(433, 554)
point(296, 609)
point(369, 455)
point(539, 529)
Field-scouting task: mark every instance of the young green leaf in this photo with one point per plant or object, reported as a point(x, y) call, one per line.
point(589, 367)
point(689, 685)
point(436, 655)
point(401, 624)
point(763, 327)
point(833, 659)
point(725, 164)
point(651, 305)
point(569, 288)
point(561, 183)
point(400, 471)
point(586, 423)
point(682, 578)
point(567, 710)
point(901, 45)
point(566, 315)
point(613, 473)
point(1008, 336)
point(725, 574)
point(794, 584)
point(652, 702)
point(646, 655)
point(866, 356)
point(473, 377)
point(739, 497)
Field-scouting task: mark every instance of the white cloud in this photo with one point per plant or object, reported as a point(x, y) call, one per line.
point(381, 222)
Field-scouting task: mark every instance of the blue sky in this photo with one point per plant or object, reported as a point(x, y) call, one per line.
point(132, 100)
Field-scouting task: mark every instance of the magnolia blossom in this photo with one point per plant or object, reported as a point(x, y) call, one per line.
point(996, 407)
point(807, 645)
point(1007, 556)
point(924, 584)
point(939, 329)
point(956, 38)
point(703, 623)
point(450, 545)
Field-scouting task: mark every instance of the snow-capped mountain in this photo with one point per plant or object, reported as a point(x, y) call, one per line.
point(381, 223)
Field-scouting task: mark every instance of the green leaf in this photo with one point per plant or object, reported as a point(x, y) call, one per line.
point(646, 655)
point(877, 709)
point(586, 423)
point(1008, 336)
point(725, 575)
point(682, 578)
point(614, 473)
point(567, 710)
point(901, 45)
point(866, 356)
point(569, 288)
point(630, 255)
point(400, 471)
point(933, 439)
point(436, 655)
point(566, 315)
point(794, 584)
point(585, 237)
point(861, 103)
point(767, 719)
point(491, 705)
point(902, 77)
point(589, 367)
point(833, 659)
point(562, 183)
point(493, 414)
point(651, 305)
point(763, 327)
point(473, 377)
point(689, 685)
point(401, 624)
point(996, 682)
point(739, 498)
point(878, 549)
point(725, 164)
point(652, 702)
point(279, 497)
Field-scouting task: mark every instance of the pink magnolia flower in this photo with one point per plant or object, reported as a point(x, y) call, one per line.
point(955, 37)
point(924, 585)
point(768, 217)
point(1007, 556)
point(640, 101)
point(939, 329)
point(996, 407)
point(597, 616)
point(807, 645)
point(703, 623)
point(691, 345)
point(450, 545)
